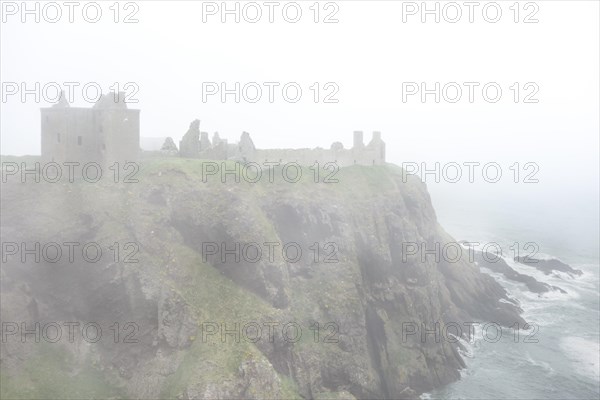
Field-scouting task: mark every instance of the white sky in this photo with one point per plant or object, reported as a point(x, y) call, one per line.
point(368, 54)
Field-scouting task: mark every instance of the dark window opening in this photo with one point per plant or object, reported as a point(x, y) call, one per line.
point(79, 140)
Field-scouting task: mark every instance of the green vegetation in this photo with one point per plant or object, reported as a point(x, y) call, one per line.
point(52, 373)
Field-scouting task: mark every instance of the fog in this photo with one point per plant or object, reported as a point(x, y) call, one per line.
point(368, 54)
point(495, 106)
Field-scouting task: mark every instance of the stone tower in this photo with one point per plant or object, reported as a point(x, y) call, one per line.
point(108, 132)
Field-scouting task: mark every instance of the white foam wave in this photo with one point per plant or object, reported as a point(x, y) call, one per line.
point(540, 364)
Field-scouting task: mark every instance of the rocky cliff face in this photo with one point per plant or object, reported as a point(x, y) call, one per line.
point(337, 324)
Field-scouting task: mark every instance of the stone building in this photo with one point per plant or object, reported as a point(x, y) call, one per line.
point(106, 133)
point(196, 144)
point(109, 132)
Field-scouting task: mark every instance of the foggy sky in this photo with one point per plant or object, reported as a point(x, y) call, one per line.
point(170, 52)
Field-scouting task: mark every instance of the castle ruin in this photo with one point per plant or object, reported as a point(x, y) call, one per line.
point(108, 132)
point(196, 144)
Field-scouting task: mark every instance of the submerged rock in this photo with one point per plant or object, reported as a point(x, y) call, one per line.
point(500, 266)
point(549, 265)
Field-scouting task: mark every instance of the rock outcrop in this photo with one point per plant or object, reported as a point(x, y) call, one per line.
point(352, 300)
point(500, 266)
point(548, 266)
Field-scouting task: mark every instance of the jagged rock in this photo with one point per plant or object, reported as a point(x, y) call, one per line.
point(500, 266)
point(547, 266)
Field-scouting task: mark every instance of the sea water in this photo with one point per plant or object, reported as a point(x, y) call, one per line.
point(561, 360)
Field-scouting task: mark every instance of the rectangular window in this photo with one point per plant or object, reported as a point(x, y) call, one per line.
point(79, 140)
point(58, 137)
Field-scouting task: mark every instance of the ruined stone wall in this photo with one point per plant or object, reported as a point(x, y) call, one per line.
point(308, 157)
point(359, 154)
point(196, 144)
